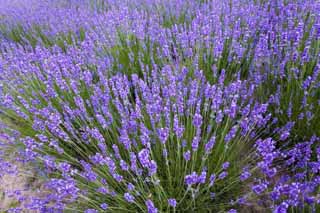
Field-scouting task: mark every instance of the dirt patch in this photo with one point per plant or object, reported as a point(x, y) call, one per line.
point(17, 188)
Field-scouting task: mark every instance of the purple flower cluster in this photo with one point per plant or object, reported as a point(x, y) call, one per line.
point(135, 153)
point(148, 106)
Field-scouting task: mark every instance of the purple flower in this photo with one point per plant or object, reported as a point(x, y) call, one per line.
point(212, 179)
point(104, 206)
point(258, 189)
point(210, 144)
point(282, 208)
point(124, 166)
point(178, 129)
point(163, 134)
point(152, 168)
point(130, 187)
point(129, 197)
point(231, 134)
point(172, 202)
point(195, 143)
point(202, 177)
point(284, 135)
point(125, 140)
point(197, 120)
point(165, 153)
point(225, 165)
point(222, 175)
point(191, 179)
point(143, 156)
point(64, 167)
point(103, 190)
point(245, 174)
point(150, 206)
point(187, 155)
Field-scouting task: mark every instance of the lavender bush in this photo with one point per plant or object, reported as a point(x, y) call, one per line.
point(163, 106)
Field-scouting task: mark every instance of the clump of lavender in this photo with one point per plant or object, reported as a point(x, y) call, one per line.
point(296, 186)
point(290, 78)
point(168, 142)
point(113, 107)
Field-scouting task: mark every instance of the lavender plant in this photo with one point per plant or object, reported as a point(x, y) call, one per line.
point(293, 70)
point(140, 143)
point(163, 106)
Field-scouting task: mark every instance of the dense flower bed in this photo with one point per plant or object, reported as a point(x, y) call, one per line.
point(163, 106)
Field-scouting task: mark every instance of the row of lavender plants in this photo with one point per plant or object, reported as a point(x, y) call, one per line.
point(162, 106)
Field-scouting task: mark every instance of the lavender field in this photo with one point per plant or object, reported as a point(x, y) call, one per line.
point(160, 106)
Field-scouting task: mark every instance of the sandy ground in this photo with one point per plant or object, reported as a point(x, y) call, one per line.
point(15, 187)
point(8, 185)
